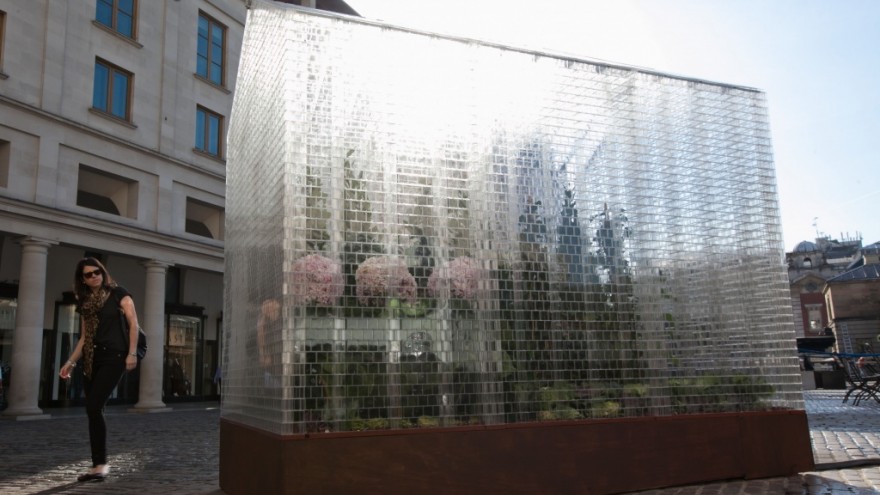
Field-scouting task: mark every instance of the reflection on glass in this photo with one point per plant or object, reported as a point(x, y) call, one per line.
point(100, 96)
point(66, 337)
point(8, 307)
point(182, 355)
point(483, 235)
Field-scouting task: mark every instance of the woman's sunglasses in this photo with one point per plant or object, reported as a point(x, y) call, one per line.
point(92, 274)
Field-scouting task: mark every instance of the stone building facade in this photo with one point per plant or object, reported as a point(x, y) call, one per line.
point(112, 120)
point(810, 264)
point(113, 117)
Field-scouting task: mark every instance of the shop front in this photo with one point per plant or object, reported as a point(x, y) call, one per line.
point(190, 360)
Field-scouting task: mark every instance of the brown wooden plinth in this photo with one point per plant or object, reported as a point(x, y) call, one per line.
point(589, 457)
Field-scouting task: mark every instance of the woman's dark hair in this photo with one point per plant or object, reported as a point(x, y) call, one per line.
point(79, 286)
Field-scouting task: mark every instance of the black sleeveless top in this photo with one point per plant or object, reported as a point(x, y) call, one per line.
point(110, 329)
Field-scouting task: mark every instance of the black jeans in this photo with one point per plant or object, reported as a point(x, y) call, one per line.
point(108, 366)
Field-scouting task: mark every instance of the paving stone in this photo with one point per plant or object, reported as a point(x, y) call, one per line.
point(174, 452)
point(840, 433)
point(177, 452)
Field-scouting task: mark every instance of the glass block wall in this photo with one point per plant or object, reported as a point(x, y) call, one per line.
point(425, 231)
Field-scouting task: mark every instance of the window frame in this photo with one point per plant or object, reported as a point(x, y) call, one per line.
point(203, 120)
point(2, 42)
point(114, 17)
point(814, 314)
point(208, 56)
point(113, 69)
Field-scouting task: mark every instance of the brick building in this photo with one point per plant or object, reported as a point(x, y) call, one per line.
point(853, 301)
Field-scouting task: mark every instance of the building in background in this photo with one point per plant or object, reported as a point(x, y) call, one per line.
point(113, 118)
point(823, 324)
point(853, 300)
point(810, 265)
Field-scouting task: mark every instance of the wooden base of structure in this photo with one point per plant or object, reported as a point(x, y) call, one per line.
point(589, 457)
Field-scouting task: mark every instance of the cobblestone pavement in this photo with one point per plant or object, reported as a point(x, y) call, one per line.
point(149, 453)
point(846, 449)
point(178, 452)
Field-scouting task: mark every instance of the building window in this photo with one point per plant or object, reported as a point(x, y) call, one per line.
point(211, 50)
point(209, 127)
point(2, 37)
point(204, 219)
point(118, 15)
point(814, 316)
point(106, 192)
point(112, 92)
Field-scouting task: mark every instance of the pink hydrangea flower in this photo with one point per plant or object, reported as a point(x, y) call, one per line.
point(317, 280)
point(460, 277)
point(382, 277)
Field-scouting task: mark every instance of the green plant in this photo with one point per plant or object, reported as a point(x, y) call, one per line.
point(359, 424)
point(557, 401)
point(635, 390)
point(606, 409)
point(718, 393)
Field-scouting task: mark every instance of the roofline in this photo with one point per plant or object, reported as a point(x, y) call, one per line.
point(806, 276)
point(845, 319)
point(842, 282)
point(529, 51)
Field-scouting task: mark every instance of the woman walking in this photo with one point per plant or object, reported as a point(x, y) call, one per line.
point(106, 351)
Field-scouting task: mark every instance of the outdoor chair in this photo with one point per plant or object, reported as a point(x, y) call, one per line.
point(863, 382)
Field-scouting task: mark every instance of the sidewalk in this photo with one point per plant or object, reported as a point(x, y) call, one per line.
point(846, 449)
point(177, 452)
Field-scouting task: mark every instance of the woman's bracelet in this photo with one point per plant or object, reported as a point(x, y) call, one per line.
point(71, 364)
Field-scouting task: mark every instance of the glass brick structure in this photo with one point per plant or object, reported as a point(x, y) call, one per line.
point(430, 232)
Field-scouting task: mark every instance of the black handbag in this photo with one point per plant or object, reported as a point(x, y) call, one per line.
point(142, 337)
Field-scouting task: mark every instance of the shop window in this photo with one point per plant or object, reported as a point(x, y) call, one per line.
point(7, 320)
point(183, 355)
point(211, 50)
point(67, 333)
point(106, 192)
point(5, 158)
point(8, 306)
point(204, 219)
point(118, 15)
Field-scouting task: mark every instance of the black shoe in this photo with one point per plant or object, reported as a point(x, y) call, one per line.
point(91, 477)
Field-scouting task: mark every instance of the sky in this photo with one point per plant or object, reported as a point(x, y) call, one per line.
point(818, 61)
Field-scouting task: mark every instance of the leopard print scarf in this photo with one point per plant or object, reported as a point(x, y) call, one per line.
point(90, 310)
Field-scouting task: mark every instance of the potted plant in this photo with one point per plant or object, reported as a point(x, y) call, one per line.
point(385, 281)
point(316, 280)
point(457, 280)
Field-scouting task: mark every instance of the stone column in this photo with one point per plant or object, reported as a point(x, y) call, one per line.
point(27, 340)
point(153, 323)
